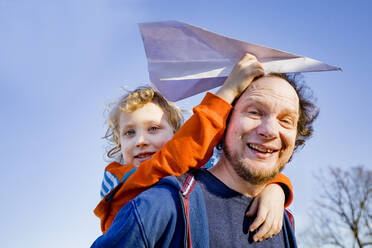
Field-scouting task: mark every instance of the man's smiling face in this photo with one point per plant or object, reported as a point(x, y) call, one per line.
point(262, 130)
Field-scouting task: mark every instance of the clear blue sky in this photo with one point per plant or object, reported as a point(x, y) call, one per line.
point(63, 61)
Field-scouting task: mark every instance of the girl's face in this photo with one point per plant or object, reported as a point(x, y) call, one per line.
point(143, 132)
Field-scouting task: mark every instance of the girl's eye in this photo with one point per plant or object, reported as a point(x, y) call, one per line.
point(153, 128)
point(129, 132)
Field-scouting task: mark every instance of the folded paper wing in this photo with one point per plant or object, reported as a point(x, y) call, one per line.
point(184, 60)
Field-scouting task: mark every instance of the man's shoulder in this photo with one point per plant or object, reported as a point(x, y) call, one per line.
point(159, 212)
point(168, 195)
point(152, 218)
point(163, 195)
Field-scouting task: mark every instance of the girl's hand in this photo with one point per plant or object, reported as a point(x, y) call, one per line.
point(241, 76)
point(269, 205)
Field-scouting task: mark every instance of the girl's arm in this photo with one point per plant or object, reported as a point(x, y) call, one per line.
point(269, 208)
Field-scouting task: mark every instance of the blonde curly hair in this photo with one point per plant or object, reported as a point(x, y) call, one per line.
point(130, 102)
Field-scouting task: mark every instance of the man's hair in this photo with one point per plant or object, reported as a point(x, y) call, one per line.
point(308, 110)
point(129, 103)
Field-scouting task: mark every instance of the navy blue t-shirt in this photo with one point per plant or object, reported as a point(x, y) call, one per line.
point(228, 226)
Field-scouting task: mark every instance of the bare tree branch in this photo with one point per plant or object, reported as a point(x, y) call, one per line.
point(342, 216)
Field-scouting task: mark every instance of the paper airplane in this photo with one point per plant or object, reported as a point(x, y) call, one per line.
point(184, 60)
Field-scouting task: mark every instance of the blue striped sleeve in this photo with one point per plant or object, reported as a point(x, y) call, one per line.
point(108, 183)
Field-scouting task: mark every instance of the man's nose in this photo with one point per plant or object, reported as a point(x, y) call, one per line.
point(268, 128)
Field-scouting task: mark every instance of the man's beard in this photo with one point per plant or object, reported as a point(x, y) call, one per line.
point(246, 172)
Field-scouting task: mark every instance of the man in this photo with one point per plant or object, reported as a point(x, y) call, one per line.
point(207, 208)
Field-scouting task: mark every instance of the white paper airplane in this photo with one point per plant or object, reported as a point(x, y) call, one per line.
point(184, 60)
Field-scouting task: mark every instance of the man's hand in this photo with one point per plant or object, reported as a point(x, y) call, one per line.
point(270, 205)
point(240, 78)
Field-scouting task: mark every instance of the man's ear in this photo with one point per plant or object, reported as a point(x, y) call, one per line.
point(221, 145)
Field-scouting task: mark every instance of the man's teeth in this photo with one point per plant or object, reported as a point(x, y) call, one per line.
point(260, 149)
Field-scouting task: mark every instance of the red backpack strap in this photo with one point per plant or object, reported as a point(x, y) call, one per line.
point(186, 189)
point(291, 218)
point(188, 185)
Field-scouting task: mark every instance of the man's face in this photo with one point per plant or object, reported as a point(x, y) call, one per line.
point(261, 133)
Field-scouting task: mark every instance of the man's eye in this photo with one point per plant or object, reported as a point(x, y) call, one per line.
point(129, 133)
point(287, 121)
point(254, 113)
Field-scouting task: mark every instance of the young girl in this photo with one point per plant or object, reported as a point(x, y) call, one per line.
point(141, 128)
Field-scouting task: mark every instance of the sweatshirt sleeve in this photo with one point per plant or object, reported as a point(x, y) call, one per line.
point(191, 147)
point(286, 185)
